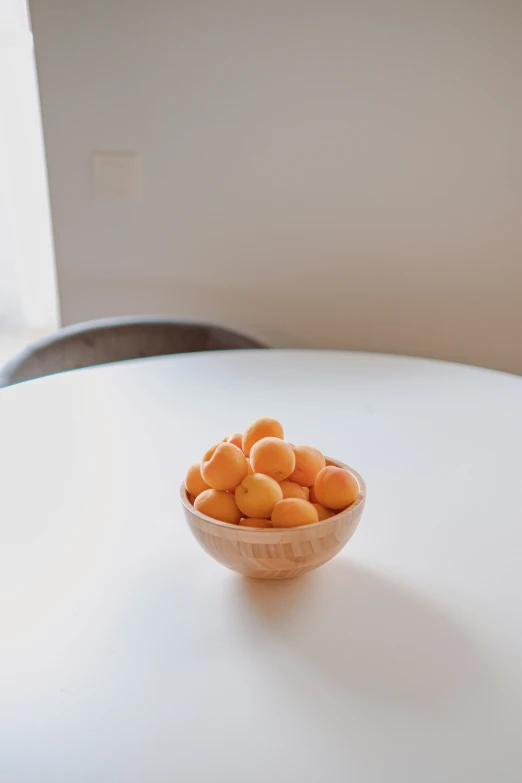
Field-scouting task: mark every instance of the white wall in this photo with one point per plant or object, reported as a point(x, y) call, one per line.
point(330, 173)
point(27, 272)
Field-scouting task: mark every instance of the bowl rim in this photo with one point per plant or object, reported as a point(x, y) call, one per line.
point(330, 462)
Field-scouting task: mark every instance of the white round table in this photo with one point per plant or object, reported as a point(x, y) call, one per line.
point(128, 655)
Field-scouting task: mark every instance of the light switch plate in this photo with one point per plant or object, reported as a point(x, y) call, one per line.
point(116, 176)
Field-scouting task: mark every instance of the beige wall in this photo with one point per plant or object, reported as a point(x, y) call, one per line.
point(329, 173)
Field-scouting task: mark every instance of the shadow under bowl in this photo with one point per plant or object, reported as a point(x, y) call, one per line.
point(275, 553)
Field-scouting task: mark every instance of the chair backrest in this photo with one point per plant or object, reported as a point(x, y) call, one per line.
point(117, 339)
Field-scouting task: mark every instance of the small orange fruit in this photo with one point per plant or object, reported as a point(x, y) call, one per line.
point(273, 457)
point(236, 438)
point(308, 462)
point(293, 512)
point(218, 505)
point(293, 490)
point(257, 495)
point(261, 428)
point(194, 483)
point(335, 487)
point(322, 512)
point(224, 466)
point(255, 522)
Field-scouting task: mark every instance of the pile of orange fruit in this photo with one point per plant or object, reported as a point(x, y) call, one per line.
point(257, 479)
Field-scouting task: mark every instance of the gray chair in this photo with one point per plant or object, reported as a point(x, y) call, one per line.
point(117, 339)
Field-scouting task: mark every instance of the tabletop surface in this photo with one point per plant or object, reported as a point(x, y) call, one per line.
point(128, 655)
